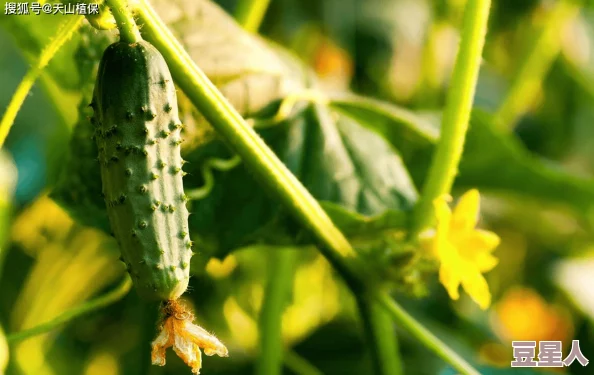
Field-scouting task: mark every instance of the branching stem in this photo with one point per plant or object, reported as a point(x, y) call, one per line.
point(87, 307)
point(65, 31)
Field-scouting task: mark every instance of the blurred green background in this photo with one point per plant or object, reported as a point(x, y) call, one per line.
point(530, 152)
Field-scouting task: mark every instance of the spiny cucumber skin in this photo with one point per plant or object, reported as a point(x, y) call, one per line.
point(137, 130)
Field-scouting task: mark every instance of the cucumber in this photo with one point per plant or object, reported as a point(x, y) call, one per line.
point(137, 131)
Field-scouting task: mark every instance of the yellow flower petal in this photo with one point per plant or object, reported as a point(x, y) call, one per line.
point(450, 281)
point(483, 240)
point(205, 340)
point(449, 277)
point(464, 252)
point(486, 262)
point(186, 347)
point(161, 342)
point(186, 338)
point(477, 288)
point(465, 215)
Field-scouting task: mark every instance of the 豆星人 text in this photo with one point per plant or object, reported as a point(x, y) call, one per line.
point(550, 354)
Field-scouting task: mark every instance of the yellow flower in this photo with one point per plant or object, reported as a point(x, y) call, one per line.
point(463, 251)
point(524, 315)
point(177, 330)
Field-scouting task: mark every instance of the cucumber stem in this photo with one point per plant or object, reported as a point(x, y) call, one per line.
point(381, 336)
point(129, 32)
point(456, 116)
point(250, 13)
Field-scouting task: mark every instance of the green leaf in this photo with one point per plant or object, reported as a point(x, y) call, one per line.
point(396, 123)
point(33, 32)
point(78, 190)
point(353, 170)
point(245, 68)
point(339, 161)
point(361, 179)
point(492, 161)
point(495, 162)
point(250, 73)
point(356, 224)
point(411, 134)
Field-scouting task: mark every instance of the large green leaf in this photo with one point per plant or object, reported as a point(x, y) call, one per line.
point(492, 161)
point(359, 177)
point(338, 160)
point(250, 73)
point(246, 70)
point(497, 162)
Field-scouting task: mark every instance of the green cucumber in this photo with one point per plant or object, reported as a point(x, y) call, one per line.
point(137, 131)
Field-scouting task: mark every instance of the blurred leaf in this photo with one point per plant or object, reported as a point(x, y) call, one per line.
point(406, 130)
point(228, 55)
point(574, 276)
point(250, 74)
point(71, 263)
point(79, 188)
point(355, 224)
point(338, 161)
point(492, 161)
point(496, 162)
point(32, 33)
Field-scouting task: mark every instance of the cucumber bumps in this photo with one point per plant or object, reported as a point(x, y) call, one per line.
point(137, 130)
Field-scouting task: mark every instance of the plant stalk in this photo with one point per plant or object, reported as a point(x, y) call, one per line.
point(425, 337)
point(256, 155)
point(262, 161)
point(299, 365)
point(541, 53)
point(65, 31)
point(87, 307)
point(129, 32)
point(444, 166)
point(381, 336)
point(250, 14)
point(276, 298)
